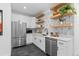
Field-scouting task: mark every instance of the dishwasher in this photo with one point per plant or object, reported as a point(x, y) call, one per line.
point(51, 46)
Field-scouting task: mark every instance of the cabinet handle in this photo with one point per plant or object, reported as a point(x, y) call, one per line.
point(35, 38)
point(61, 43)
point(57, 48)
point(40, 41)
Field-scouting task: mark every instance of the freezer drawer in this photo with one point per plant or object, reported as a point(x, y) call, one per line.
point(15, 42)
point(23, 41)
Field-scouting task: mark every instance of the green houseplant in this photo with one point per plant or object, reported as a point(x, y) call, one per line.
point(66, 8)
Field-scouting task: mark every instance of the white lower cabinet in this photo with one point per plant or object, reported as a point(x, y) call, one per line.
point(29, 38)
point(39, 42)
point(42, 44)
point(65, 48)
point(36, 41)
point(61, 49)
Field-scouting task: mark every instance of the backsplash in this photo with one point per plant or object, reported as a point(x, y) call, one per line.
point(61, 31)
point(66, 31)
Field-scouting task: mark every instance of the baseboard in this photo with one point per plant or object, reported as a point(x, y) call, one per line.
point(18, 46)
point(29, 43)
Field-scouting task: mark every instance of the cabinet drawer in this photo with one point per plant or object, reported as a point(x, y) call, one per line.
point(62, 43)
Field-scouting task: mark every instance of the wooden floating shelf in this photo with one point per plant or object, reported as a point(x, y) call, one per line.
point(68, 25)
point(55, 16)
point(55, 13)
point(59, 15)
point(39, 26)
point(40, 16)
point(63, 26)
point(38, 22)
point(57, 6)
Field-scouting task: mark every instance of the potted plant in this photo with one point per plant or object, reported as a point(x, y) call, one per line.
point(66, 9)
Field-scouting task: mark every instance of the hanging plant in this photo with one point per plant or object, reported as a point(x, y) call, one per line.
point(66, 8)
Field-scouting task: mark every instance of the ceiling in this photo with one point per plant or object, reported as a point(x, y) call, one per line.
point(31, 9)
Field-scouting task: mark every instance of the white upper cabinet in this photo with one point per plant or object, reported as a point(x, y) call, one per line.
point(29, 38)
point(31, 22)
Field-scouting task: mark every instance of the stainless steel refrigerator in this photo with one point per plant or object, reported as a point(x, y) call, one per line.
point(18, 33)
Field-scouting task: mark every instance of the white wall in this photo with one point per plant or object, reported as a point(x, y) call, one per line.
point(47, 20)
point(5, 39)
point(17, 17)
point(76, 30)
point(23, 18)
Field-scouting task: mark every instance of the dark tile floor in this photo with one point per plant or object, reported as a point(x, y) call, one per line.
point(29, 50)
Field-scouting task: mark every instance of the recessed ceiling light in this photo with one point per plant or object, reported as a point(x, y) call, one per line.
point(24, 7)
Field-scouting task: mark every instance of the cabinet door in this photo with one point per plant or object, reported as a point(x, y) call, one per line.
point(38, 41)
point(34, 40)
point(33, 23)
point(62, 48)
point(29, 38)
point(62, 51)
point(29, 23)
point(65, 48)
point(42, 44)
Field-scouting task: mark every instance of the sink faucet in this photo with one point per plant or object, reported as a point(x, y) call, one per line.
point(46, 30)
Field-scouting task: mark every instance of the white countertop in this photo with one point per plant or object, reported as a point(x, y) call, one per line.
point(63, 38)
point(60, 38)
